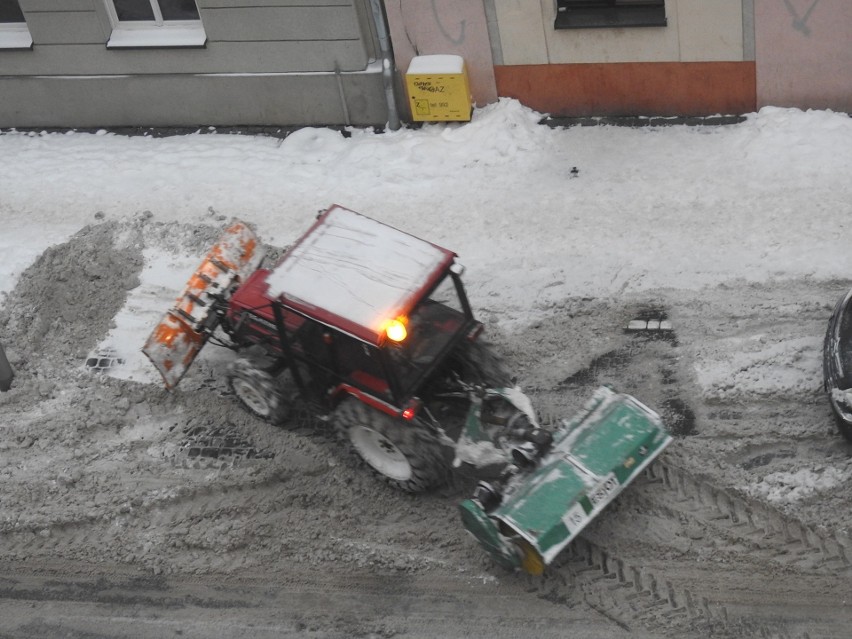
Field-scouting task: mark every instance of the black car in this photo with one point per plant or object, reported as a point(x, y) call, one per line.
point(837, 364)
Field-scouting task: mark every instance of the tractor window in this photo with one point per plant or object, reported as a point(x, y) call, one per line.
point(431, 327)
point(447, 296)
point(310, 339)
point(360, 365)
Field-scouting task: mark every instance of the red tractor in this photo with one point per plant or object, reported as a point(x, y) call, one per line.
point(371, 327)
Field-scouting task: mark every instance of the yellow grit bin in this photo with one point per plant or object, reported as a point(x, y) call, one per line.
point(438, 88)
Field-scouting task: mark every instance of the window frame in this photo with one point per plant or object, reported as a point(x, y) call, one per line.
point(157, 33)
point(16, 35)
point(608, 14)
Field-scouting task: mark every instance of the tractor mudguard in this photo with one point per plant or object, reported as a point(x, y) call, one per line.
point(177, 339)
point(544, 504)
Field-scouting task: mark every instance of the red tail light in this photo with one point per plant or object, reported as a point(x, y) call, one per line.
point(410, 411)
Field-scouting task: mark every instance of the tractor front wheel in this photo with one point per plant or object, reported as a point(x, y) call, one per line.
point(258, 391)
point(406, 454)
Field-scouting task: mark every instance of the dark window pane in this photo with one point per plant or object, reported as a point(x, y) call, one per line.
point(585, 4)
point(178, 9)
point(133, 10)
point(579, 14)
point(10, 11)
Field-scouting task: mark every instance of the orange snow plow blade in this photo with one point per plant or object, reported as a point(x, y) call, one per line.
point(185, 328)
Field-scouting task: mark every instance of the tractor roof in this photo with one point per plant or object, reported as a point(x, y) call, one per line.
point(356, 273)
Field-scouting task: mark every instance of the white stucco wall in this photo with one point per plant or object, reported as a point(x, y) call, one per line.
point(697, 31)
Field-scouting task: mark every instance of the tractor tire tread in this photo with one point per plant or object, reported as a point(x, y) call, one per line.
point(427, 456)
point(252, 370)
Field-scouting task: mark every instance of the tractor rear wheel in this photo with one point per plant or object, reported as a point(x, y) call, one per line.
point(406, 454)
point(258, 390)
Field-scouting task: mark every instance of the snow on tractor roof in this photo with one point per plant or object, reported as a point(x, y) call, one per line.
point(358, 269)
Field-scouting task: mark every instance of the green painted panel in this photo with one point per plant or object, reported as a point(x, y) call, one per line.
point(614, 439)
point(485, 530)
point(539, 503)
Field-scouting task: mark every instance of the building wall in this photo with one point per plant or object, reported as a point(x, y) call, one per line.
point(804, 53)
point(265, 62)
point(701, 63)
point(299, 62)
point(429, 27)
point(697, 31)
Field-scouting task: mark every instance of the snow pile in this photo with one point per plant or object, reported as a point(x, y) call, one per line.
point(70, 294)
point(678, 206)
point(758, 364)
point(790, 487)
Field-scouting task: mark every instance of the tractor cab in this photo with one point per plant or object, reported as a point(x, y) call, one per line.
point(357, 307)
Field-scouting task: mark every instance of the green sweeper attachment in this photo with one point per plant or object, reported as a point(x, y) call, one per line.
point(544, 500)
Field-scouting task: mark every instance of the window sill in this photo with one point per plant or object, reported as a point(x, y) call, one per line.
point(15, 38)
point(611, 17)
point(156, 37)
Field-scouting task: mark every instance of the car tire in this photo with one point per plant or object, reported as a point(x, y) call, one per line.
point(830, 384)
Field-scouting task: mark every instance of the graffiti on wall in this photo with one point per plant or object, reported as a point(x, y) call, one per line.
point(800, 23)
point(455, 40)
point(453, 33)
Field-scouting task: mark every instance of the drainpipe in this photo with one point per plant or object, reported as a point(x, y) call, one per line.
point(387, 62)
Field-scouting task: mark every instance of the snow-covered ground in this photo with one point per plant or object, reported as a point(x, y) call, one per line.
point(739, 232)
point(650, 207)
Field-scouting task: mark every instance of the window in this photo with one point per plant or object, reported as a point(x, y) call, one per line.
point(155, 23)
point(432, 326)
point(589, 14)
point(14, 33)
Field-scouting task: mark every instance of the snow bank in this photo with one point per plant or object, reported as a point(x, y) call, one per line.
point(673, 206)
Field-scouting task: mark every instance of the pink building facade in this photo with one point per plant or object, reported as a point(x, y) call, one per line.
point(704, 58)
point(803, 53)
